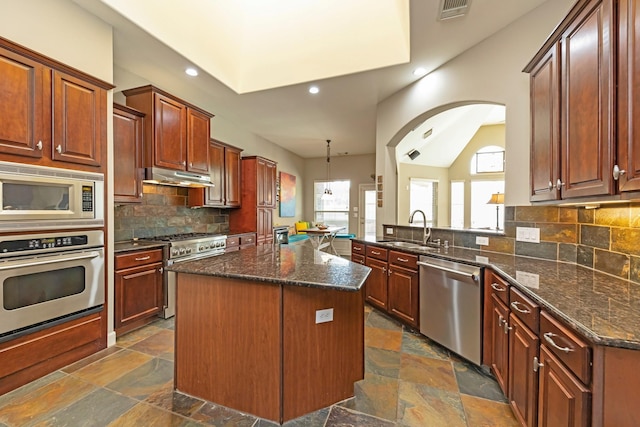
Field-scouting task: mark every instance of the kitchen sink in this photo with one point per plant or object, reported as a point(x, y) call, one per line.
point(409, 245)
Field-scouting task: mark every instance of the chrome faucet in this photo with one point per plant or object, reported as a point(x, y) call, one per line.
point(425, 234)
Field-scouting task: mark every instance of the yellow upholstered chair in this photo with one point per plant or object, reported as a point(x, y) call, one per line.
point(301, 226)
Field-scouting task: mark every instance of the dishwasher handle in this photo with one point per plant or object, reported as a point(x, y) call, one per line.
point(475, 277)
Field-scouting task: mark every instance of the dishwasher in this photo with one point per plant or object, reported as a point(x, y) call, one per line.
point(451, 306)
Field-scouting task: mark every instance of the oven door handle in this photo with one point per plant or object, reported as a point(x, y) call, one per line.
point(9, 265)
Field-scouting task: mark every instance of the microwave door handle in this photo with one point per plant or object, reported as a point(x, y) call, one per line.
point(9, 265)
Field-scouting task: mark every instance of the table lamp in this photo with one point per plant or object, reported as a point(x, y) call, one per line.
point(497, 199)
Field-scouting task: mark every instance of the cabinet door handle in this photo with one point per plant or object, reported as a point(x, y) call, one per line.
point(617, 172)
point(190, 164)
point(559, 184)
point(59, 149)
point(161, 270)
point(389, 272)
point(500, 320)
point(516, 306)
point(536, 364)
point(384, 269)
point(498, 288)
point(548, 337)
point(375, 253)
point(39, 145)
point(143, 258)
point(550, 185)
point(506, 327)
point(184, 163)
point(402, 260)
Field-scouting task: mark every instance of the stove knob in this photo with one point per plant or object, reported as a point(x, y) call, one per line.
point(188, 250)
point(201, 248)
point(182, 251)
point(174, 252)
point(219, 244)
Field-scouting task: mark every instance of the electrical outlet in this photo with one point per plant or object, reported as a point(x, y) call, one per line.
point(482, 259)
point(482, 241)
point(389, 230)
point(323, 316)
point(528, 234)
point(530, 280)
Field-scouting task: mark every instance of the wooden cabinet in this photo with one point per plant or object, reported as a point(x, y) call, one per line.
point(256, 212)
point(176, 133)
point(403, 287)
point(496, 331)
point(127, 144)
point(138, 288)
point(357, 252)
point(376, 284)
point(50, 114)
point(237, 242)
point(226, 174)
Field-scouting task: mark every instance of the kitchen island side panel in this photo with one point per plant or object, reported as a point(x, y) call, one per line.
point(228, 343)
point(322, 361)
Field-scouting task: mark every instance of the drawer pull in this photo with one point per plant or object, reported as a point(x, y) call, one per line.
point(498, 288)
point(375, 253)
point(548, 337)
point(516, 306)
point(143, 258)
point(536, 364)
point(402, 260)
point(356, 248)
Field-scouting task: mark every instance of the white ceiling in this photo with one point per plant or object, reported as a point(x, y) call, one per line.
point(287, 115)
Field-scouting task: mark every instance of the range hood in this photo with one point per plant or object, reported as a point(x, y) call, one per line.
point(176, 178)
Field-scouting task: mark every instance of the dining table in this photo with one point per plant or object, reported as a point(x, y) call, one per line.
point(323, 237)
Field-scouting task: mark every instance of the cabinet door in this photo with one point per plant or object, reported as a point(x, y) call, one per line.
point(403, 294)
point(233, 177)
point(499, 342)
point(138, 294)
point(629, 96)
point(376, 284)
point(545, 120)
point(170, 130)
point(587, 103)
point(563, 399)
point(24, 97)
point(198, 130)
point(523, 381)
point(215, 194)
point(127, 144)
point(266, 175)
point(265, 226)
point(79, 121)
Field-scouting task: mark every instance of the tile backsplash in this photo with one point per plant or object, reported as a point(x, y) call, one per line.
point(605, 239)
point(164, 210)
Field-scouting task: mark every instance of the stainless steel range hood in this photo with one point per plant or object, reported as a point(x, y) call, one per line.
point(176, 178)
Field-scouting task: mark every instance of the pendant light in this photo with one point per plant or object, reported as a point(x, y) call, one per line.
point(327, 190)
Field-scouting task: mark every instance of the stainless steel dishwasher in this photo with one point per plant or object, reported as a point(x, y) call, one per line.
point(451, 306)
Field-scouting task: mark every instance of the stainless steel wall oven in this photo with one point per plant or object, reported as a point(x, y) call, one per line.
point(49, 278)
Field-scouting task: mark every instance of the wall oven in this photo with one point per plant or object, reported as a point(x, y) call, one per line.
point(49, 278)
point(44, 198)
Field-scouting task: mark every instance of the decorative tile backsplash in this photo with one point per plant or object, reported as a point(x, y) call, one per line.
point(605, 239)
point(164, 210)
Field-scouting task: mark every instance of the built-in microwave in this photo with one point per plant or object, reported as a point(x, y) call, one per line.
point(45, 198)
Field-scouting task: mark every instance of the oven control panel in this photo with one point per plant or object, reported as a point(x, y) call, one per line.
point(36, 244)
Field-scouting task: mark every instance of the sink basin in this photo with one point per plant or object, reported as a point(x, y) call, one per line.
point(408, 245)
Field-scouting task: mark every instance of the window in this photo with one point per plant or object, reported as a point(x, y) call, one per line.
point(332, 210)
point(457, 204)
point(423, 195)
point(488, 160)
point(482, 214)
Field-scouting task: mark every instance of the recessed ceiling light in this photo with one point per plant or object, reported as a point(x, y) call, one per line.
point(419, 71)
point(191, 71)
point(314, 89)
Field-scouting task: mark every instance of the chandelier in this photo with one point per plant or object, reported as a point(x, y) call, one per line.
point(327, 190)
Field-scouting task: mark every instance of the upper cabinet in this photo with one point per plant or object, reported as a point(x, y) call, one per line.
point(176, 133)
point(127, 143)
point(572, 106)
point(50, 114)
point(225, 172)
point(266, 190)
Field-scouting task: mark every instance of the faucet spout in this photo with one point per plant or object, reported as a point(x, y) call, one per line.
point(426, 232)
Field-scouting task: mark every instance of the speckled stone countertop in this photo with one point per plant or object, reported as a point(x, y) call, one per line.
point(131, 245)
point(298, 265)
point(603, 308)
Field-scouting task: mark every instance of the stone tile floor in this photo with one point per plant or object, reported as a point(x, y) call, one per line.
point(409, 381)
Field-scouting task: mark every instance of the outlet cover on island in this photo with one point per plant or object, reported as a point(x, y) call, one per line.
point(389, 230)
point(482, 241)
point(325, 315)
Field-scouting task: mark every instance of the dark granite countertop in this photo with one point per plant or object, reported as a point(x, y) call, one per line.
point(603, 308)
point(298, 265)
point(135, 245)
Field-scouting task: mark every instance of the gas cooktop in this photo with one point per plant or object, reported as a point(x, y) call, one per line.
point(191, 245)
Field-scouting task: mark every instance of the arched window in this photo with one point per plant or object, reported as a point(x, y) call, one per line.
point(489, 159)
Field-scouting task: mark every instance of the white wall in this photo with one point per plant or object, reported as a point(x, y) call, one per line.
point(489, 72)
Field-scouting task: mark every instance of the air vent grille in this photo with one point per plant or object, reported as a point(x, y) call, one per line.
point(453, 8)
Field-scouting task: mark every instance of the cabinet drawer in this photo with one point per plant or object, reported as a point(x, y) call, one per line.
point(573, 351)
point(134, 259)
point(249, 239)
point(499, 288)
point(233, 241)
point(357, 248)
point(357, 258)
point(404, 260)
point(525, 309)
point(376, 252)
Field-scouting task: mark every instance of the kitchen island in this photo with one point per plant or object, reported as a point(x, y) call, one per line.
point(275, 331)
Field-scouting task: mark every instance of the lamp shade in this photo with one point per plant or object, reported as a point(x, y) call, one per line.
point(496, 199)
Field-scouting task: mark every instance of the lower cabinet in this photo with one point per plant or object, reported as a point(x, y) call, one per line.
point(236, 242)
point(523, 376)
point(499, 343)
point(138, 287)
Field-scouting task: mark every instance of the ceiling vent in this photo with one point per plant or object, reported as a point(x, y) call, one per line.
point(453, 9)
